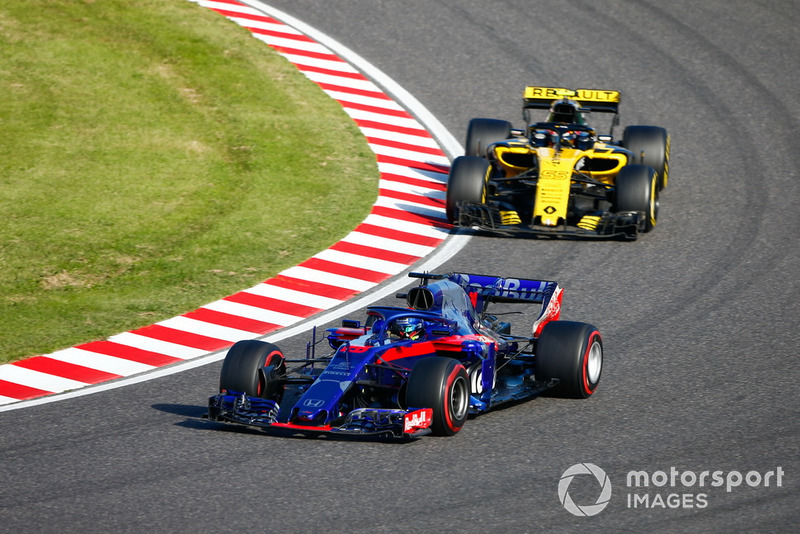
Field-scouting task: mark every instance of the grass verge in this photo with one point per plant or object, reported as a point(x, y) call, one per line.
point(155, 157)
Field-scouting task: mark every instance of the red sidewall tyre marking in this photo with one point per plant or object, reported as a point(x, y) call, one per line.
point(587, 387)
point(454, 375)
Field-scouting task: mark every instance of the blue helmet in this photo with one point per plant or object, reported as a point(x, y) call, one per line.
point(407, 328)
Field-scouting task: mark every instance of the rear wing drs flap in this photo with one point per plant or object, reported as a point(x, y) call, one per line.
point(601, 100)
point(497, 288)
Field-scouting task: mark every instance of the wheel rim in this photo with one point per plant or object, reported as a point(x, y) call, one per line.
point(459, 398)
point(594, 363)
point(653, 202)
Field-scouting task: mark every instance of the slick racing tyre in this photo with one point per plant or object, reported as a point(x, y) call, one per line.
point(572, 352)
point(466, 183)
point(650, 146)
point(255, 368)
point(483, 132)
point(636, 190)
point(441, 384)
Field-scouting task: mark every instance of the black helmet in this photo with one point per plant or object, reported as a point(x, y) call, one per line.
point(567, 111)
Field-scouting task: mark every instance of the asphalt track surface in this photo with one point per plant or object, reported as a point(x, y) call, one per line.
point(699, 318)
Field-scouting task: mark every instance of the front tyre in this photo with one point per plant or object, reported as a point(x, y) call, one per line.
point(255, 368)
point(483, 132)
point(572, 352)
point(636, 189)
point(650, 146)
point(441, 384)
point(466, 183)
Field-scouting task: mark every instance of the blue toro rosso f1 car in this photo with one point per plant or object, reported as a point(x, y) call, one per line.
point(413, 370)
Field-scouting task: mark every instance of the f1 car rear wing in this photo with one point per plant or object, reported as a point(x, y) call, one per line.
point(601, 100)
point(498, 289)
point(483, 289)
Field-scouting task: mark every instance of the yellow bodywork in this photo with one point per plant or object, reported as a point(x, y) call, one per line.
point(552, 193)
point(515, 158)
point(601, 163)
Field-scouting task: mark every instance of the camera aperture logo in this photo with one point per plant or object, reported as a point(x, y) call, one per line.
point(669, 488)
point(588, 509)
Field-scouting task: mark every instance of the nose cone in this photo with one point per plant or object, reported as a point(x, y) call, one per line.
point(311, 417)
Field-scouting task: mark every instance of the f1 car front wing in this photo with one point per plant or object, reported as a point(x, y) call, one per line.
point(625, 225)
point(253, 411)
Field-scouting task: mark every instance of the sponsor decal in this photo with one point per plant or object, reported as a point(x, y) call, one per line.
point(554, 174)
point(417, 420)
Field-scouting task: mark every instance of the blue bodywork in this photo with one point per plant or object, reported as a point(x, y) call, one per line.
point(360, 387)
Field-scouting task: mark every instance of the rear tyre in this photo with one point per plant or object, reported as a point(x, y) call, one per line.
point(636, 189)
point(254, 368)
point(483, 132)
point(441, 384)
point(650, 146)
point(572, 352)
point(466, 183)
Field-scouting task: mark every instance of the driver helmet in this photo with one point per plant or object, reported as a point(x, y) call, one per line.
point(407, 328)
point(568, 139)
point(584, 140)
point(544, 138)
point(567, 111)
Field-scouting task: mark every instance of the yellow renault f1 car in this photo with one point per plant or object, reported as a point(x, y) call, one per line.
point(559, 177)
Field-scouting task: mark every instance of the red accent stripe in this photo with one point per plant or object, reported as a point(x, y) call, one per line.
point(126, 352)
point(345, 270)
point(180, 337)
point(294, 426)
point(231, 321)
point(402, 215)
point(20, 392)
point(273, 304)
point(439, 186)
point(373, 252)
point(405, 146)
point(416, 349)
point(412, 197)
point(313, 288)
point(399, 235)
point(44, 364)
